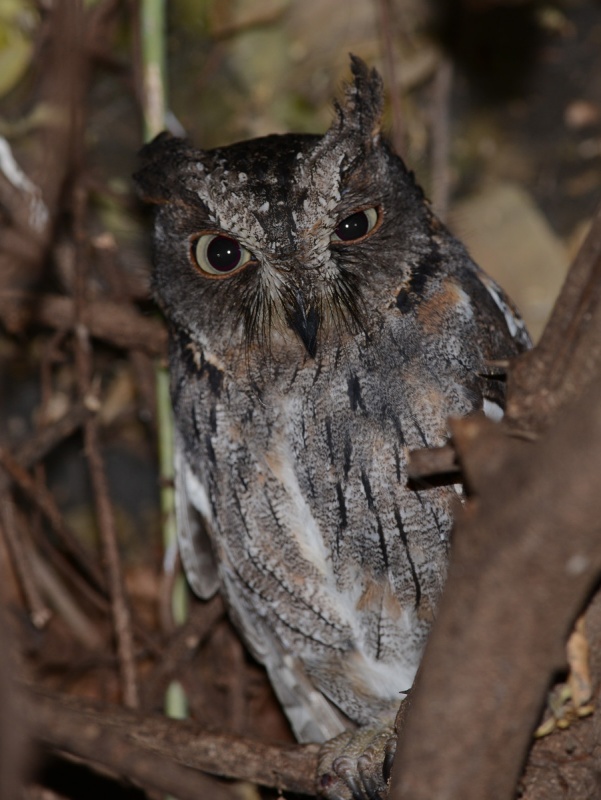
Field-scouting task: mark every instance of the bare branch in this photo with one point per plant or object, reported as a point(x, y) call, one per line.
point(115, 323)
point(107, 527)
point(38, 611)
point(516, 583)
point(568, 355)
point(46, 439)
point(144, 748)
point(44, 500)
point(430, 461)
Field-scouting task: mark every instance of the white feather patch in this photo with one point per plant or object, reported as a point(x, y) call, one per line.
point(493, 410)
point(198, 494)
point(515, 326)
point(301, 522)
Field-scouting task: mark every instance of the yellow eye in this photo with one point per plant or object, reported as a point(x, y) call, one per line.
point(355, 227)
point(219, 255)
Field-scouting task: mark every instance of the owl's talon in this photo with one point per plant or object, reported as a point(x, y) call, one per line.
point(331, 788)
point(352, 765)
point(371, 787)
point(365, 764)
point(344, 767)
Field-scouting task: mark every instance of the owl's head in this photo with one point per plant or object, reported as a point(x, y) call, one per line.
point(284, 241)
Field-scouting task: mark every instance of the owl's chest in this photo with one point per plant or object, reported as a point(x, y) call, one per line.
point(333, 419)
point(305, 478)
point(312, 458)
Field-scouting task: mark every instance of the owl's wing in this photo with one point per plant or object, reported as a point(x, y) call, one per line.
point(311, 715)
point(515, 324)
point(194, 544)
point(492, 380)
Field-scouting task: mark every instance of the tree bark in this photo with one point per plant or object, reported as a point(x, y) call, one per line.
point(526, 557)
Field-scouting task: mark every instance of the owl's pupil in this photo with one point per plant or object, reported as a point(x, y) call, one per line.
point(353, 227)
point(224, 254)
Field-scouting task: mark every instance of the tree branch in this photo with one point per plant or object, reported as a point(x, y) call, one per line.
point(516, 583)
point(568, 355)
point(143, 748)
point(526, 557)
point(115, 323)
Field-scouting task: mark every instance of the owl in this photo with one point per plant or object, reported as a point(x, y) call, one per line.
point(323, 323)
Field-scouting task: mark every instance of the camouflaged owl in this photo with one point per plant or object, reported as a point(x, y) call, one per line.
point(323, 323)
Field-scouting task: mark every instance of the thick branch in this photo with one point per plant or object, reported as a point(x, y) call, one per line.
point(121, 739)
point(569, 353)
point(515, 585)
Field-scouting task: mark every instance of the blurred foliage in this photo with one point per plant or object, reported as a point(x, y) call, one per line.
point(19, 22)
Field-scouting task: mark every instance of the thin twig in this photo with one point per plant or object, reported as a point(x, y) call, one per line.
point(428, 461)
point(154, 105)
point(68, 607)
point(108, 534)
point(104, 509)
point(37, 446)
point(38, 611)
point(43, 499)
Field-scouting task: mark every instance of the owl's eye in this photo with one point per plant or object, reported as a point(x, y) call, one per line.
point(356, 226)
point(219, 255)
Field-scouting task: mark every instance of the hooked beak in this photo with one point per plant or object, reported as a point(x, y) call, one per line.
point(305, 322)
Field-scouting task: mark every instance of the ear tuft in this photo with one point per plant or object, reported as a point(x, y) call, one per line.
point(363, 103)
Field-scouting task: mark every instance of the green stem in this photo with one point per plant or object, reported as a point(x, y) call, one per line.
point(154, 66)
point(154, 106)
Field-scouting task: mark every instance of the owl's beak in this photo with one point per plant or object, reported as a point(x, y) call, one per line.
point(305, 322)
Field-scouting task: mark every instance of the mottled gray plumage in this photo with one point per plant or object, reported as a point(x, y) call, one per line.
point(303, 372)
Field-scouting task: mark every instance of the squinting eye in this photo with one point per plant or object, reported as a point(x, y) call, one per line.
point(356, 226)
point(219, 255)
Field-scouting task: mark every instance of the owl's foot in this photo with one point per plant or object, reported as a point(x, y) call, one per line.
point(356, 765)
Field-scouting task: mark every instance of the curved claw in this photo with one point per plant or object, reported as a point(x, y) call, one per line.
point(346, 769)
point(352, 766)
point(331, 787)
point(365, 768)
